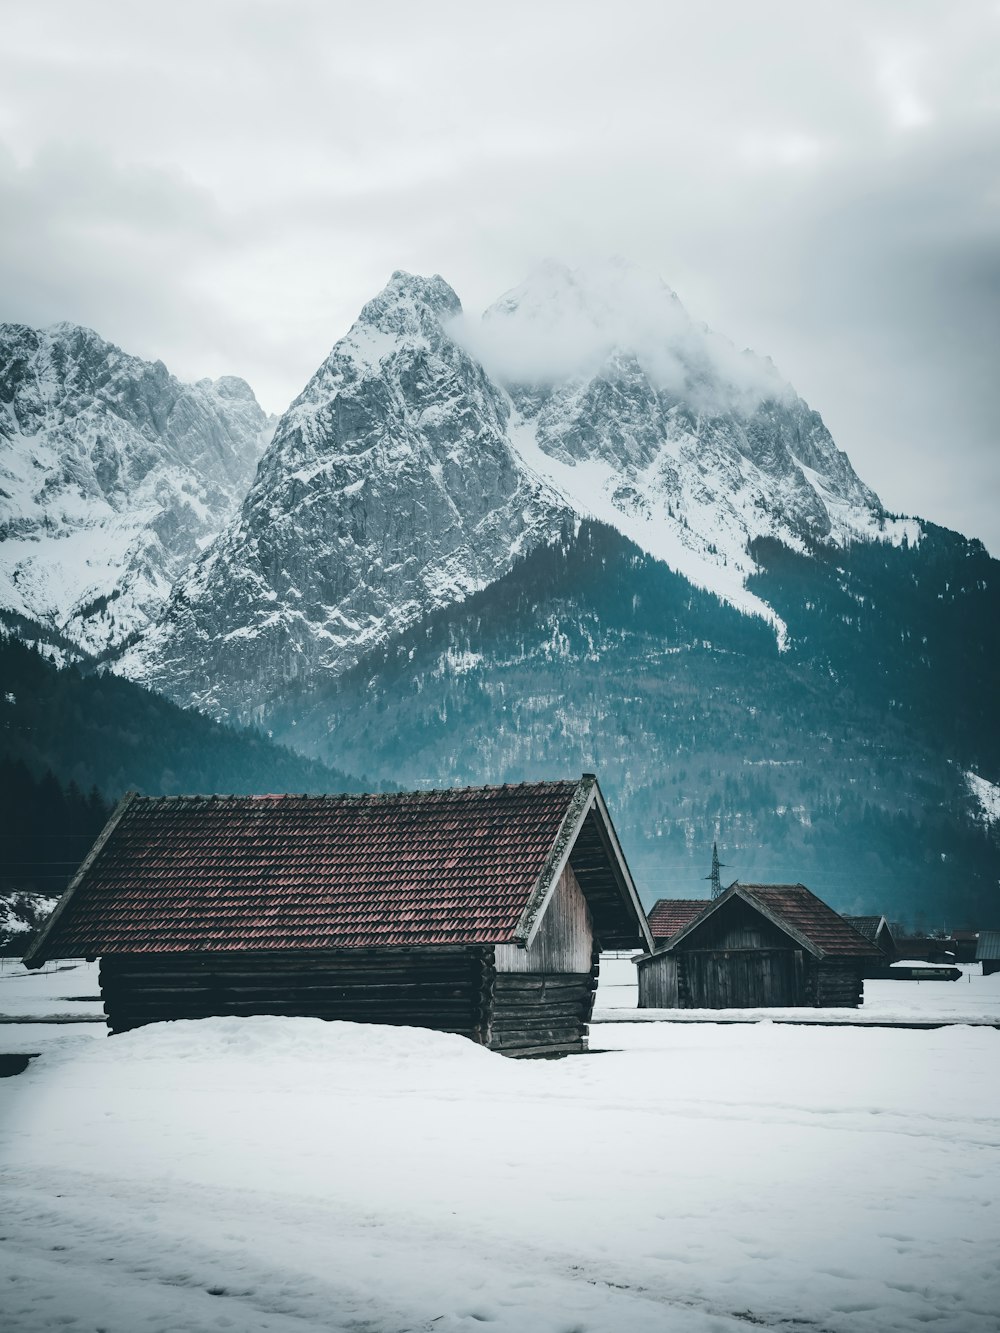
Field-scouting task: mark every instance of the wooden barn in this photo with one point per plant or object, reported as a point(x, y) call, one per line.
point(876, 929)
point(479, 911)
point(758, 945)
point(669, 915)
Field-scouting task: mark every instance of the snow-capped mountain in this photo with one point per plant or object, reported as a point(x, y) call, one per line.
point(390, 488)
point(648, 421)
point(429, 451)
point(113, 477)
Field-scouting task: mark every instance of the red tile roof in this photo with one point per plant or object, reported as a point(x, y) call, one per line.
point(313, 872)
point(824, 928)
point(669, 915)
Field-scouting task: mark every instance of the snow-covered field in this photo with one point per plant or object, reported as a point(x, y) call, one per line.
point(289, 1174)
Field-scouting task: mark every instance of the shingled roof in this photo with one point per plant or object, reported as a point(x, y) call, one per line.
point(669, 915)
point(799, 913)
point(818, 924)
point(459, 866)
point(865, 925)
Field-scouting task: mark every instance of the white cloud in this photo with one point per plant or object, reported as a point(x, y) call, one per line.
point(898, 78)
point(562, 324)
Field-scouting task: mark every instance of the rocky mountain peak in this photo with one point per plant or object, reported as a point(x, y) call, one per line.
point(113, 476)
point(231, 387)
point(390, 489)
point(409, 306)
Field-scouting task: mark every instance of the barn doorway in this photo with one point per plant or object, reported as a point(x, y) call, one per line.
point(742, 978)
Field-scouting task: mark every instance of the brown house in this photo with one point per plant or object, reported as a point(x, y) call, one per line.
point(758, 945)
point(479, 910)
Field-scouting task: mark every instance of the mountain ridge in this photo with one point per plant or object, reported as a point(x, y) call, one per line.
point(113, 475)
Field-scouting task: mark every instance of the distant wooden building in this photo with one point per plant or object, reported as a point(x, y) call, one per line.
point(669, 915)
point(877, 930)
point(925, 948)
point(988, 951)
point(759, 945)
point(479, 911)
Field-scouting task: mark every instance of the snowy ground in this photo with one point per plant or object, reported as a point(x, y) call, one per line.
point(53, 992)
point(287, 1174)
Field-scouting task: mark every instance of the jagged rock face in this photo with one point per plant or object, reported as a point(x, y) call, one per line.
point(390, 488)
point(654, 424)
point(113, 477)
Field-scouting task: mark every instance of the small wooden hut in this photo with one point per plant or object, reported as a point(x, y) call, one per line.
point(477, 910)
point(759, 945)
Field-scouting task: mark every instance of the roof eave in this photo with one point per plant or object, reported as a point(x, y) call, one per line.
point(736, 890)
point(781, 923)
point(37, 955)
point(530, 920)
point(620, 865)
point(587, 797)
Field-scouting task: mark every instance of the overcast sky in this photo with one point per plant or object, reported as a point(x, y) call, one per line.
point(223, 185)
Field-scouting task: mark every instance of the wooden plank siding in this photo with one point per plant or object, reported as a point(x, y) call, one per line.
point(458, 990)
point(447, 989)
point(536, 1013)
point(838, 983)
point(658, 983)
point(748, 979)
point(564, 940)
point(741, 978)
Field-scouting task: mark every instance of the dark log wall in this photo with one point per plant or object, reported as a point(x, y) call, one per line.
point(838, 983)
point(543, 1013)
point(748, 979)
point(449, 990)
point(741, 978)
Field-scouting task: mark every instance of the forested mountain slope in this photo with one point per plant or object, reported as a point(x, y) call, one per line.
point(99, 731)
